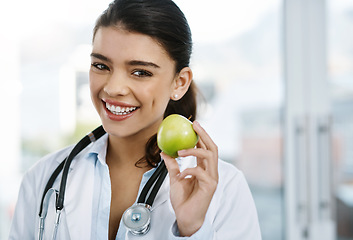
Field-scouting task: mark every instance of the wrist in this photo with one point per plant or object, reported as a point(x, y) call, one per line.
point(188, 229)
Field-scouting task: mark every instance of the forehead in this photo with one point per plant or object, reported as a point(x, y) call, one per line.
point(118, 44)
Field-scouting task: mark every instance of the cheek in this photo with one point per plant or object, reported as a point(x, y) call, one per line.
point(95, 87)
point(161, 93)
point(157, 96)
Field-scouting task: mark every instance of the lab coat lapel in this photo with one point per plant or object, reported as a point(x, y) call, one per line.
point(78, 199)
point(162, 195)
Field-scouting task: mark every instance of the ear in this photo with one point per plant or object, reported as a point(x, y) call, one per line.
point(181, 83)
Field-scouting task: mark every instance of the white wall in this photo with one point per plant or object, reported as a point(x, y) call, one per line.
point(10, 117)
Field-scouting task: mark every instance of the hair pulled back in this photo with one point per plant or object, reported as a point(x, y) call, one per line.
point(165, 22)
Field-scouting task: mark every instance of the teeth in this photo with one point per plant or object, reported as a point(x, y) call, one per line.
point(117, 110)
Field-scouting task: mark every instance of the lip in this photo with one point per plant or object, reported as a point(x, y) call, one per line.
point(114, 117)
point(116, 103)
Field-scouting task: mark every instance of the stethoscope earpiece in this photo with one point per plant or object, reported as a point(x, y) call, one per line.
point(137, 218)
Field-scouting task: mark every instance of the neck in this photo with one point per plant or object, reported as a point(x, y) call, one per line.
point(125, 152)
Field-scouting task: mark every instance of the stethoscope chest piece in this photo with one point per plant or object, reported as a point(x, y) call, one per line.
point(137, 218)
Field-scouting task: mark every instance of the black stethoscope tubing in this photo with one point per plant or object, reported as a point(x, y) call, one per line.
point(65, 166)
point(160, 173)
point(157, 177)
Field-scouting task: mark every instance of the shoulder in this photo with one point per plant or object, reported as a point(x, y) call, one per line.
point(232, 184)
point(49, 161)
point(36, 176)
point(228, 173)
point(227, 169)
point(232, 191)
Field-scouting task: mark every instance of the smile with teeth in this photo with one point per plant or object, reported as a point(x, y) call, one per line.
point(117, 110)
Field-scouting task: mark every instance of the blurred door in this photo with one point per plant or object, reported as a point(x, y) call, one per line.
point(340, 53)
point(308, 128)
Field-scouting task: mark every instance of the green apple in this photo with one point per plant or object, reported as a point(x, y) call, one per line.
point(176, 133)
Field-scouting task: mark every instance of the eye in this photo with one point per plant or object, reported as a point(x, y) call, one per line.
point(100, 66)
point(142, 73)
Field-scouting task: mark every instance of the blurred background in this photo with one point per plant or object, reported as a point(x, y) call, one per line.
point(266, 90)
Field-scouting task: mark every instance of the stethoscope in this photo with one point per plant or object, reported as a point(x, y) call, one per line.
point(136, 219)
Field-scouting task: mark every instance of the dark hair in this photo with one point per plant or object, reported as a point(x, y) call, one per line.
point(165, 22)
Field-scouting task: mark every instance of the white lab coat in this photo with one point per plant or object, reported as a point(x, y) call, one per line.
point(231, 215)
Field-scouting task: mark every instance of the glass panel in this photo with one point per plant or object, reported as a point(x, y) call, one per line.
point(236, 64)
point(340, 50)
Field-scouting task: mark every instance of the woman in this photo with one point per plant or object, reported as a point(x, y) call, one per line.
point(139, 75)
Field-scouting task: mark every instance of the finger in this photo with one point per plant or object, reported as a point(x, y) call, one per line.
point(171, 164)
point(197, 152)
point(205, 158)
point(206, 139)
point(201, 176)
point(203, 163)
point(196, 172)
point(211, 146)
point(200, 144)
point(200, 154)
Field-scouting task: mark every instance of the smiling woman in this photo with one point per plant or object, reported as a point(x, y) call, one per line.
point(131, 70)
point(139, 75)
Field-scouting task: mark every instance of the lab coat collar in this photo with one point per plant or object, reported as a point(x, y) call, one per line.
point(98, 147)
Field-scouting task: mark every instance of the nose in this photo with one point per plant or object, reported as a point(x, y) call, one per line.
point(117, 85)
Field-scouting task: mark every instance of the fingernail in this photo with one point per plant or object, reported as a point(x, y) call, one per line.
point(180, 152)
point(196, 124)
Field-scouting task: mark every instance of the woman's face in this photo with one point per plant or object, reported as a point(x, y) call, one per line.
point(131, 82)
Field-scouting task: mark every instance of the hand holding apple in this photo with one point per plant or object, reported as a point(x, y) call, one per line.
point(191, 190)
point(176, 133)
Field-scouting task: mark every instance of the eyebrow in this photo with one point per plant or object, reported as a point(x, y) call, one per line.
point(142, 63)
point(101, 57)
point(131, 63)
